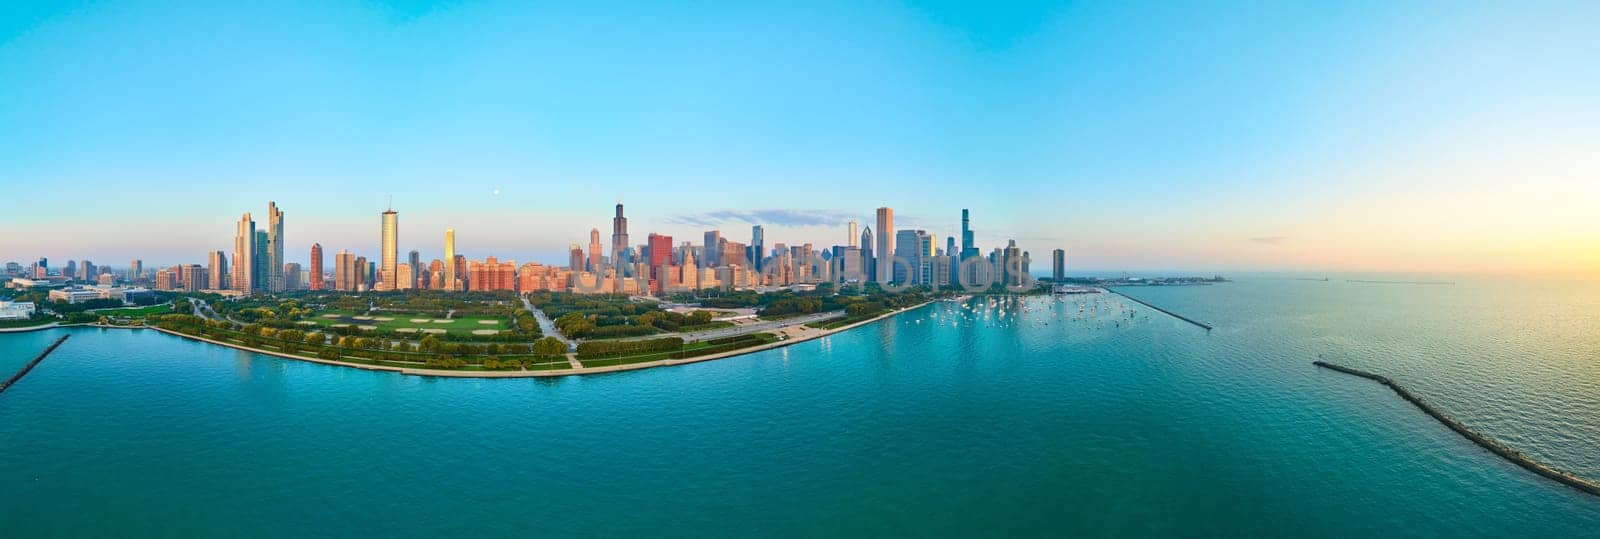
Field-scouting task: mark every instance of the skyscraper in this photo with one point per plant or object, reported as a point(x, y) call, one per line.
point(391, 250)
point(868, 261)
point(291, 276)
point(136, 270)
point(594, 249)
point(273, 254)
point(262, 272)
point(885, 248)
point(218, 270)
point(710, 249)
point(316, 266)
point(416, 269)
point(575, 257)
point(344, 271)
point(1058, 265)
point(450, 281)
point(619, 238)
point(758, 246)
point(850, 237)
point(968, 248)
point(244, 255)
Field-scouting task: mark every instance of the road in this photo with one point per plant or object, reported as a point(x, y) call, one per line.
point(547, 326)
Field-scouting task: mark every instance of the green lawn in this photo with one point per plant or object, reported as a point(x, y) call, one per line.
point(464, 325)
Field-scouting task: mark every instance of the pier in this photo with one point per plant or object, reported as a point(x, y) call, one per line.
point(31, 364)
point(1169, 313)
point(1516, 457)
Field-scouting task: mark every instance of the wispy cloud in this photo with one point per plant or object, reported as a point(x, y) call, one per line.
point(1270, 240)
point(766, 217)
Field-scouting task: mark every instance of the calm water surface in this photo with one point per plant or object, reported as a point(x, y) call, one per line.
point(945, 422)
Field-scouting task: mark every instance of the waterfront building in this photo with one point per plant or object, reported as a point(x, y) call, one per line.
point(711, 250)
point(885, 247)
point(217, 268)
point(758, 242)
point(404, 278)
point(492, 275)
point(1011, 265)
point(165, 280)
point(272, 254)
point(262, 272)
point(869, 263)
point(390, 256)
point(660, 255)
point(1058, 265)
point(909, 245)
point(461, 272)
point(194, 278)
point(79, 294)
point(733, 254)
point(619, 237)
point(291, 276)
point(16, 310)
point(316, 266)
point(344, 271)
point(244, 255)
point(451, 276)
point(415, 261)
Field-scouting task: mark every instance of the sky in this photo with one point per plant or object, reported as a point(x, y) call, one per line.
point(1193, 136)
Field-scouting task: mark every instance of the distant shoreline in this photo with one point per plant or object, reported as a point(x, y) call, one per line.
point(535, 374)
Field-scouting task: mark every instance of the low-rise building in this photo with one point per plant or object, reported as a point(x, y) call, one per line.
point(16, 310)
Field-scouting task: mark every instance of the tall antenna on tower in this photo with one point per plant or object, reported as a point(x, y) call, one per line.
point(391, 203)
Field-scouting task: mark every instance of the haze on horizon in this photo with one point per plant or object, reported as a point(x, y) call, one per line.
point(1372, 137)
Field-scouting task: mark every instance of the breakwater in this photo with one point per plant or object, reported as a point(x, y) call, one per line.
point(1169, 313)
point(1516, 457)
point(31, 364)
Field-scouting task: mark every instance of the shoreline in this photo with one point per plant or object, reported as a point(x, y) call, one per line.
point(538, 374)
point(25, 329)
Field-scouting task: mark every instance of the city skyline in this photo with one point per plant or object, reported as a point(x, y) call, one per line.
point(1308, 139)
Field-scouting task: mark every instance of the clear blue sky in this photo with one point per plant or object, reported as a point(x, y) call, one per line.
point(1170, 135)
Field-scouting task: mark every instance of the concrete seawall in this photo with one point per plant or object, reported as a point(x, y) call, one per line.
point(1169, 313)
point(31, 364)
point(1516, 457)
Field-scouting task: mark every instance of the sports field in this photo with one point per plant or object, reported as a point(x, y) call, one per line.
point(412, 323)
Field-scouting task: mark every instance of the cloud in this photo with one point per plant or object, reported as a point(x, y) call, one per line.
point(793, 218)
point(1270, 240)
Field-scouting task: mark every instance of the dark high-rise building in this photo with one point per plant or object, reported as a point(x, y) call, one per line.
point(869, 263)
point(758, 246)
point(619, 238)
point(416, 267)
point(261, 271)
point(1058, 265)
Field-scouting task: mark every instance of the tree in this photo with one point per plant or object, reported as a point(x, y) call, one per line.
point(549, 346)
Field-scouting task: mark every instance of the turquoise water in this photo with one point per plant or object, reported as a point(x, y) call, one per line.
point(1034, 424)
